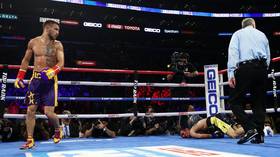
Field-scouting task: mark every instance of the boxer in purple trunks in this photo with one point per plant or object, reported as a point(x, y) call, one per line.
point(42, 90)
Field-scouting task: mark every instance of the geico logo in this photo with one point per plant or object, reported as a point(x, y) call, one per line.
point(212, 92)
point(90, 24)
point(213, 109)
point(154, 30)
point(134, 28)
point(211, 76)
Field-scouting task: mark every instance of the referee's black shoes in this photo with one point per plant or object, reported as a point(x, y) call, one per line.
point(250, 134)
point(258, 139)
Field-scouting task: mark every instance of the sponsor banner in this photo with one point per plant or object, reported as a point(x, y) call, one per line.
point(173, 150)
point(171, 31)
point(69, 22)
point(114, 26)
point(154, 151)
point(152, 30)
point(118, 6)
point(92, 24)
point(189, 13)
point(212, 90)
point(15, 37)
point(71, 1)
point(220, 14)
point(174, 12)
point(8, 16)
point(86, 63)
point(224, 34)
point(132, 28)
point(271, 15)
point(276, 33)
point(44, 19)
point(187, 32)
point(165, 11)
point(236, 15)
point(134, 8)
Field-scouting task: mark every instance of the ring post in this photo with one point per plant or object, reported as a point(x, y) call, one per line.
point(222, 93)
point(212, 89)
point(274, 90)
point(3, 90)
point(135, 109)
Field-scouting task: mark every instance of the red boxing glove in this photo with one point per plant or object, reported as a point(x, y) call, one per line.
point(56, 69)
point(49, 73)
point(19, 80)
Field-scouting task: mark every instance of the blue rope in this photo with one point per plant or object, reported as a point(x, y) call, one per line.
point(115, 99)
point(130, 99)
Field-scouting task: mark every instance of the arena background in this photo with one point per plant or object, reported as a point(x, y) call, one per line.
point(199, 36)
point(117, 38)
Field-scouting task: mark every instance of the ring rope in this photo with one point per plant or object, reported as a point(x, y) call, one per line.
point(162, 114)
point(115, 98)
point(130, 72)
point(130, 84)
point(130, 99)
point(124, 84)
point(116, 71)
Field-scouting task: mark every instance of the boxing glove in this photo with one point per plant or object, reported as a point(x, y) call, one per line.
point(268, 131)
point(49, 73)
point(217, 134)
point(19, 80)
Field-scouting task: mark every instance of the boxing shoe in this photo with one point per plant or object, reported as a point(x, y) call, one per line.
point(29, 144)
point(250, 134)
point(57, 135)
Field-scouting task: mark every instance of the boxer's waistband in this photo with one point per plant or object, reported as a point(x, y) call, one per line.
point(36, 75)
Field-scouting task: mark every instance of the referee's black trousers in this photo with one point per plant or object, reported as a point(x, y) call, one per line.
point(252, 78)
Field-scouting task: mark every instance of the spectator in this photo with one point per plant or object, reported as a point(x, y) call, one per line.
point(70, 127)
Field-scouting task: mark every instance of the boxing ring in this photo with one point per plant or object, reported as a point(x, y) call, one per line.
point(156, 146)
point(148, 146)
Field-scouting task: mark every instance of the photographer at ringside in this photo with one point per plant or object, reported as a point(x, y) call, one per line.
point(98, 128)
point(183, 70)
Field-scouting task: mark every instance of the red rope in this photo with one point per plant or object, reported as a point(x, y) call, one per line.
point(120, 71)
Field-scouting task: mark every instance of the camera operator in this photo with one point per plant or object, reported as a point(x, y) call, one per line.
point(99, 128)
point(183, 70)
point(8, 130)
point(132, 126)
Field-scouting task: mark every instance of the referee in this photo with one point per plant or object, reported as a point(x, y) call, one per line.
point(248, 61)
